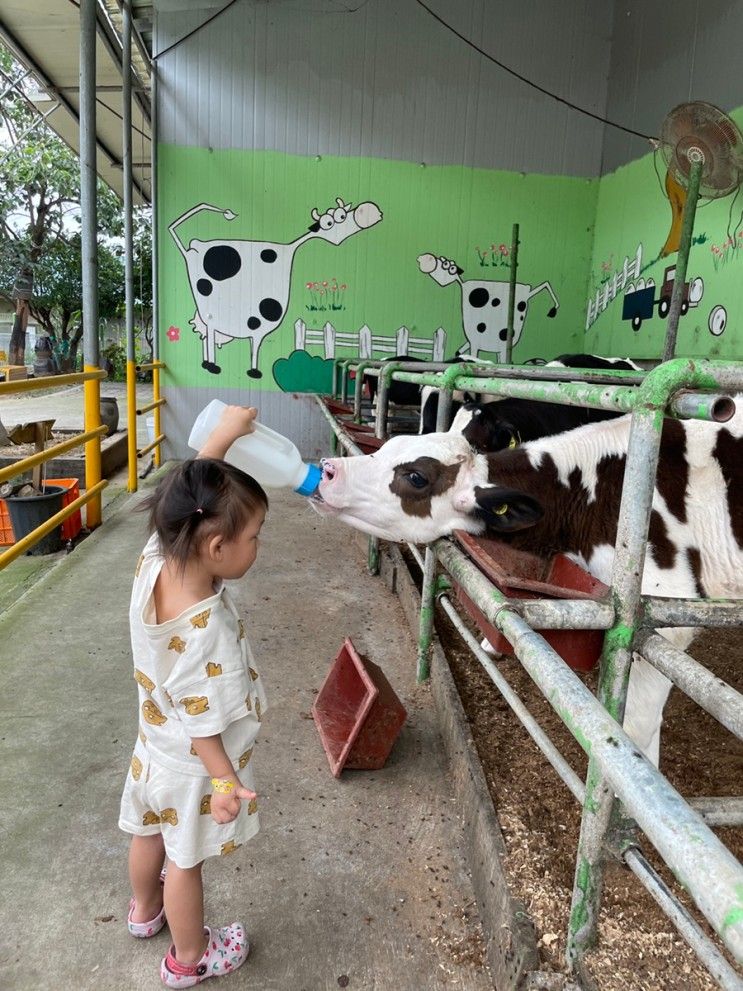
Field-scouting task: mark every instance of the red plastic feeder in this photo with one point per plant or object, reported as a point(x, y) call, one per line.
point(521, 575)
point(338, 408)
point(357, 713)
point(364, 438)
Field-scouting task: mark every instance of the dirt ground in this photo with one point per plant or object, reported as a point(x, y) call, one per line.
point(639, 948)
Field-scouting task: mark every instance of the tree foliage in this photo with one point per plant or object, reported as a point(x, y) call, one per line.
point(40, 239)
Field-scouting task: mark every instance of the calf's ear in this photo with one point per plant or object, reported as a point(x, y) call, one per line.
point(506, 510)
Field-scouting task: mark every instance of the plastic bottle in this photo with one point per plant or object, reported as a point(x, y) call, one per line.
point(270, 458)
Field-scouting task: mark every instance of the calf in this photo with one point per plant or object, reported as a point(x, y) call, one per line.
point(487, 436)
point(401, 393)
point(562, 494)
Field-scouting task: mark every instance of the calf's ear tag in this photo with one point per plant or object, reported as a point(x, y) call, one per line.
point(512, 442)
point(501, 510)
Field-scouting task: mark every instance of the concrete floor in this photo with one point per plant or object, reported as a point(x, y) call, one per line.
point(357, 882)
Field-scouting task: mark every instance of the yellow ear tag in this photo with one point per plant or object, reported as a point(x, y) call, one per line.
point(501, 510)
point(512, 442)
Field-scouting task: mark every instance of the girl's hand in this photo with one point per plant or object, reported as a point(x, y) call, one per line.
point(226, 808)
point(235, 421)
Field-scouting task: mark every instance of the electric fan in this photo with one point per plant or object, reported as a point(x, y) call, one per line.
point(703, 151)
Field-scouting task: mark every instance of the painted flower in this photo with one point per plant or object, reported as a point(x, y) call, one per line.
point(503, 249)
point(308, 285)
point(344, 287)
point(174, 333)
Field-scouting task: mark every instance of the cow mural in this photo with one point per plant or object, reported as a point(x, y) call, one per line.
point(241, 288)
point(485, 306)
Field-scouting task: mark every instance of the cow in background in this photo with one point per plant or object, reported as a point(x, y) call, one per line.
point(525, 417)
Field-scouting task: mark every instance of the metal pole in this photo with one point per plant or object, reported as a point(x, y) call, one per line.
point(425, 631)
point(89, 223)
point(512, 292)
point(155, 199)
point(131, 370)
point(708, 691)
point(679, 282)
point(634, 518)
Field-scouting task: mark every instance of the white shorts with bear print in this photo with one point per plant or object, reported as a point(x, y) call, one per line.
point(157, 799)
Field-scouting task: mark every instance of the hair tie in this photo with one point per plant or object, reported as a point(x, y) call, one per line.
point(199, 510)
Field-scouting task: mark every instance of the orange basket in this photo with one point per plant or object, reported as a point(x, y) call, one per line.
point(7, 537)
point(72, 526)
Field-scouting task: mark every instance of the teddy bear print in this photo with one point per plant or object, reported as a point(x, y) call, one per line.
point(136, 768)
point(252, 806)
point(206, 805)
point(144, 681)
point(170, 816)
point(258, 709)
point(241, 627)
point(229, 847)
point(177, 644)
point(195, 704)
point(253, 673)
point(150, 819)
point(213, 670)
point(200, 620)
point(244, 758)
point(142, 737)
point(139, 566)
point(152, 714)
point(248, 703)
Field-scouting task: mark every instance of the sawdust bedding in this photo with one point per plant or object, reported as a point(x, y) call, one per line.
point(639, 948)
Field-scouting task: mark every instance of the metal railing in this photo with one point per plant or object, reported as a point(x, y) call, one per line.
point(677, 828)
point(133, 411)
point(91, 437)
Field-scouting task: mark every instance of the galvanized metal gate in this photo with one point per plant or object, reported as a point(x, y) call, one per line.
point(623, 790)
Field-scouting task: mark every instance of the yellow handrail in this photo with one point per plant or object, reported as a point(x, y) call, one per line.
point(156, 443)
point(149, 406)
point(132, 412)
point(48, 525)
point(49, 381)
point(25, 464)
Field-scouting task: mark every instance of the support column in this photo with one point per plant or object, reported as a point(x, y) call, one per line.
point(89, 222)
point(131, 370)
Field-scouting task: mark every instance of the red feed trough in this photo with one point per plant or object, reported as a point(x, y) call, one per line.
point(521, 575)
point(357, 713)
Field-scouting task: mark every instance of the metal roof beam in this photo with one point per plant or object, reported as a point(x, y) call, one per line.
point(27, 60)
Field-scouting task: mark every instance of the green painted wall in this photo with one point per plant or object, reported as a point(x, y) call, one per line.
point(446, 210)
point(632, 209)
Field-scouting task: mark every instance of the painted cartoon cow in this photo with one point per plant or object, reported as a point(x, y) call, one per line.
point(485, 306)
point(562, 494)
point(241, 288)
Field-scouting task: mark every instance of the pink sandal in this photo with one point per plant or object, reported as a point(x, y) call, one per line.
point(143, 930)
point(226, 950)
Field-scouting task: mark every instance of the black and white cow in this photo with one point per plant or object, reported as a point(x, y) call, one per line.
point(401, 393)
point(561, 494)
point(241, 288)
point(527, 418)
point(485, 305)
point(493, 426)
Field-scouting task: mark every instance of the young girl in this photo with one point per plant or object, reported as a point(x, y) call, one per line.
point(189, 791)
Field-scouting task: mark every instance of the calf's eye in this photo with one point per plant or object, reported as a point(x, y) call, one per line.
point(417, 480)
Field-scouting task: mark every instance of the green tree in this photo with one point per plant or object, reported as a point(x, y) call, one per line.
point(40, 217)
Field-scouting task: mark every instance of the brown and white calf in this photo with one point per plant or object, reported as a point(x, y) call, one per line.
point(562, 494)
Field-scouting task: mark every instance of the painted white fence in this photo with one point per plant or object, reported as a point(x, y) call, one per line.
point(613, 287)
point(364, 344)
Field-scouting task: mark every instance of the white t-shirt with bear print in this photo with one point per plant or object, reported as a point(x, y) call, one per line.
point(196, 674)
